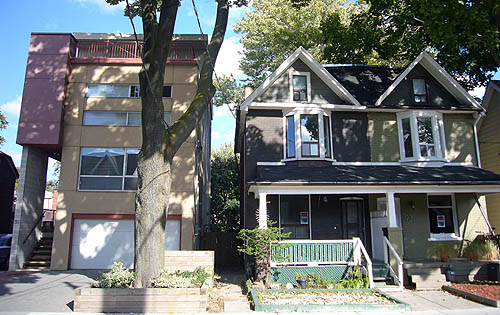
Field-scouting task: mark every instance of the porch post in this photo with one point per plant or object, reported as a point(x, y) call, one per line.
point(262, 210)
point(391, 209)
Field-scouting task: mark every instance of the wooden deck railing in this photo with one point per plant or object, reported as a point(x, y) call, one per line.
point(321, 252)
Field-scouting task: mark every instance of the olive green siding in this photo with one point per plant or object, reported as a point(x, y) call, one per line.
point(489, 146)
point(459, 133)
point(383, 137)
point(279, 91)
point(415, 222)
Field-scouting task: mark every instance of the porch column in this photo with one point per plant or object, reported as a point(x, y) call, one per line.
point(262, 210)
point(391, 209)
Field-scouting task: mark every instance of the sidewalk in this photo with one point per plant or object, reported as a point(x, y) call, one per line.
point(51, 292)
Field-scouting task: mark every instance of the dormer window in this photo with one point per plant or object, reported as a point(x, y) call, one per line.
point(421, 136)
point(419, 91)
point(308, 135)
point(300, 86)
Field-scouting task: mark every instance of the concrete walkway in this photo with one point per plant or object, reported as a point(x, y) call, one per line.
point(51, 292)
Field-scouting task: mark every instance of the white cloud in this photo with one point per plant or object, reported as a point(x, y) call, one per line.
point(228, 60)
point(12, 108)
point(103, 5)
point(16, 157)
point(222, 111)
point(478, 92)
point(220, 138)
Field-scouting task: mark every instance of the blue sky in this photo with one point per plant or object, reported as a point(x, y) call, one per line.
point(21, 18)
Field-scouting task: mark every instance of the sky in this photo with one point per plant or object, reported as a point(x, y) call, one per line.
point(21, 18)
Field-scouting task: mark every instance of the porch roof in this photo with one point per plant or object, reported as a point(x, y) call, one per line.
point(375, 175)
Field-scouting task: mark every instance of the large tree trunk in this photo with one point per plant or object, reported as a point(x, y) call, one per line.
point(160, 144)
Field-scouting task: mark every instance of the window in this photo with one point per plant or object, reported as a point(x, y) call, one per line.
point(113, 90)
point(294, 215)
point(421, 136)
point(419, 91)
point(116, 118)
point(441, 216)
point(108, 169)
point(300, 86)
point(307, 135)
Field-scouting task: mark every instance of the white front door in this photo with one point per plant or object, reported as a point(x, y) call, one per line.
point(378, 221)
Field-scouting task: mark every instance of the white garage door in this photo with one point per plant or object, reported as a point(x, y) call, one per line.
point(97, 243)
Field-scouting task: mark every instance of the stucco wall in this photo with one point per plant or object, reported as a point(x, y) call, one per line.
point(70, 200)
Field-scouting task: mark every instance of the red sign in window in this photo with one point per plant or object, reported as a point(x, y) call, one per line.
point(441, 221)
point(304, 217)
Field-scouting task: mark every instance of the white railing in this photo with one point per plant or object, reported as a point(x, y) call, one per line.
point(321, 252)
point(399, 277)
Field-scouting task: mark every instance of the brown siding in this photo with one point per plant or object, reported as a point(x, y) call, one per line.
point(350, 137)
point(438, 95)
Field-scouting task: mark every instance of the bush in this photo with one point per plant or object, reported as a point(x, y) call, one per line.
point(118, 277)
point(353, 280)
point(178, 279)
point(442, 251)
point(481, 249)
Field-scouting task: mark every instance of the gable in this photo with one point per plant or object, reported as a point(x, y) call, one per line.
point(438, 96)
point(279, 90)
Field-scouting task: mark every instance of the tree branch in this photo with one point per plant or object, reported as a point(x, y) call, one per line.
point(182, 128)
point(168, 14)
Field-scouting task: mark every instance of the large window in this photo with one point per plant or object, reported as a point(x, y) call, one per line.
point(115, 90)
point(441, 216)
point(308, 135)
point(116, 118)
point(421, 136)
point(108, 169)
point(294, 215)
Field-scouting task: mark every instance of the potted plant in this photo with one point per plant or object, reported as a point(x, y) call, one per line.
point(301, 280)
point(443, 251)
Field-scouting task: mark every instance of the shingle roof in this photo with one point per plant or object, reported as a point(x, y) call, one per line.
point(366, 83)
point(380, 175)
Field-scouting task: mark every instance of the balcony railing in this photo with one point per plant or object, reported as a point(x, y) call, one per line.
point(128, 49)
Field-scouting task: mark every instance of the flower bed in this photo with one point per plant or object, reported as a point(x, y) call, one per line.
point(324, 299)
point(483, 292)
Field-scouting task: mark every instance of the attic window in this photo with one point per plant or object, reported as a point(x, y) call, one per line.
point(300, 86)
point(419, 91)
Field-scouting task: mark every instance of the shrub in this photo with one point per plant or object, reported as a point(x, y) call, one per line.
point(353, 280)
point(181, 279)
point(442, 251)
point(481, 249)
point(118, 277)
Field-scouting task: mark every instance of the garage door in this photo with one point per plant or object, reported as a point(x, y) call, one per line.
point(97, 243)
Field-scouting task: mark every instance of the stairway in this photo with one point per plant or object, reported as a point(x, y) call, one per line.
point(41, 255)
point(383, 278)
point(426, 276)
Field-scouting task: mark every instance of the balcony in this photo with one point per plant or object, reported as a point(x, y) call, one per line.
point(130, 50)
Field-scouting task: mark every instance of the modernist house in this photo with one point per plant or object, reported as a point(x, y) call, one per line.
point(489, 144)
point(340, 151)
point(81, 105)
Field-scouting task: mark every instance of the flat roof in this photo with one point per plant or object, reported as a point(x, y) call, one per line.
point(126, 36)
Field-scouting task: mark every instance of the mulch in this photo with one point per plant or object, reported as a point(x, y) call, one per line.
point(490, 289)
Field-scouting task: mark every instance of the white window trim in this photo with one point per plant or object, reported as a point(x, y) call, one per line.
point(123, 176)
point(298, 141)
point(438, 133)
point(436, 237)
point(167, 118)
point(291, 73)
point(129, 91)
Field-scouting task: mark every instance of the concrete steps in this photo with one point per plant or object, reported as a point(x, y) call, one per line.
point(41, 255)
point(426, 276)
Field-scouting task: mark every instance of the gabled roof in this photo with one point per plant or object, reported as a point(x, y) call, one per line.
point(429, 64)
point(314, 65)
point(7, 163)
point(493, 86)
point(366, 83)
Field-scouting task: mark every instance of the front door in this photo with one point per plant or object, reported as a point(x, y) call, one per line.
point(353, 218)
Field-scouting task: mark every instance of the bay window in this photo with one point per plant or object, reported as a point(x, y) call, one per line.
point(308, 135)
point(421, 136)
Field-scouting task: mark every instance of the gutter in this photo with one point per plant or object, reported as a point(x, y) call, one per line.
point(476, 141)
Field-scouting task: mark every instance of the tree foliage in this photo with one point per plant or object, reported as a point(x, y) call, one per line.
point(3, 125)
point(228, 92)
point(275, 28)
point(225, 190)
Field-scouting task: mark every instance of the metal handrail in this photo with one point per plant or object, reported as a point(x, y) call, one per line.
point(399, 278)
point(34, 226)
point(369, 264)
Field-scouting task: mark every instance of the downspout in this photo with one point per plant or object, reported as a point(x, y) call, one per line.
point(476, 141)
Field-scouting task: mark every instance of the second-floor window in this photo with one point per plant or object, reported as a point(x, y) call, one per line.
point(419, 88)
point(95, 118)
point(300, 86)
point(421, 136)
point(307, 135)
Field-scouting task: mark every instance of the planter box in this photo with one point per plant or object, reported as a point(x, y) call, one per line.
point(154, 300)
point(259, 307)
